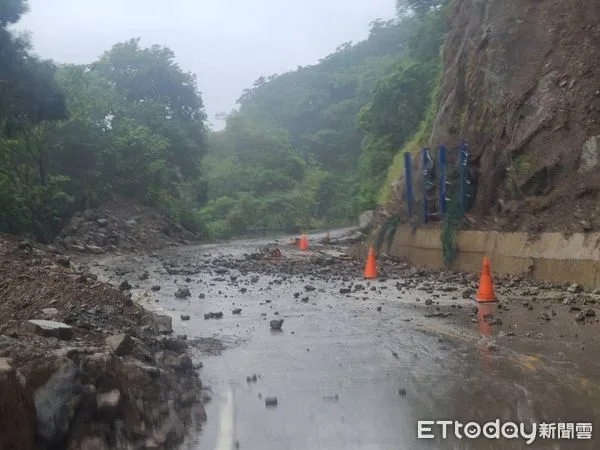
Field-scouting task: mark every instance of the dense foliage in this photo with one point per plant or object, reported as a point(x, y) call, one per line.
point(304, 148)
point(345, 117)
point(131, 123)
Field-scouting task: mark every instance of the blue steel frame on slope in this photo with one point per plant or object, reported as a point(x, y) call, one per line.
point(424, 170)
point(408, 193)
point(442, 187)
point(442, 160)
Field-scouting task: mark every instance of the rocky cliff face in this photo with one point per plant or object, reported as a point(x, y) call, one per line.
point(522, 86)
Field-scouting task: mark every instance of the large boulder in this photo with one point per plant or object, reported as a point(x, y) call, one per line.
point(163, 324)
point(50, 328)
point(56, 402)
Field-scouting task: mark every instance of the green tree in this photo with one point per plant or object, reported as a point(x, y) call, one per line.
point(258, 159)
point(28, 92)
point(317, 104)
point(158, 94)
point(29, 100)
point(398, 104)
point(345, 117)
point(131, 124)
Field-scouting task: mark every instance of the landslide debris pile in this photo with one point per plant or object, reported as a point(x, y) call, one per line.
point(81, 365)
point(520, 85)
point(120, 225)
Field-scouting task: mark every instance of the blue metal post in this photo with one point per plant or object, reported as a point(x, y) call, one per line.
point(463, 172)
point(408, 194)
point(442, 157)
point(425, 160)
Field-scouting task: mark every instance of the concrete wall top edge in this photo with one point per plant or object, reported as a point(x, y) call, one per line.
point(546, 245)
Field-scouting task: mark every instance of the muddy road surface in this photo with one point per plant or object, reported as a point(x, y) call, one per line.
point(358, 363)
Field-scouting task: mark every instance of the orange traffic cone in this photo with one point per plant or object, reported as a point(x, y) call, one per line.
point(486, 288)
point(303, 243)
point(370, 266)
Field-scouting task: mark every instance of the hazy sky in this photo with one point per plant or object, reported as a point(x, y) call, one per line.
point(227, 43)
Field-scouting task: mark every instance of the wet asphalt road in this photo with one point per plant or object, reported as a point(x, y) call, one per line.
point(346, 375)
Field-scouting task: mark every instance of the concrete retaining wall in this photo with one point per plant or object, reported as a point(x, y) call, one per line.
point(550, 256)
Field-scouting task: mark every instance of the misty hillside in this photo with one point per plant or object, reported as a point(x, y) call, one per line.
point(307, 148)
point(314, 145)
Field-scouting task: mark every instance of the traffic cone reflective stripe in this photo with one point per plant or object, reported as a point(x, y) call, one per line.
point(486, 287)
point(370, 266)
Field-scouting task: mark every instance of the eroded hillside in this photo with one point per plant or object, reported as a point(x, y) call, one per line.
point(521, 84)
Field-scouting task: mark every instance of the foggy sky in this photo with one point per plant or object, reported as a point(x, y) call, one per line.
point(227, 43)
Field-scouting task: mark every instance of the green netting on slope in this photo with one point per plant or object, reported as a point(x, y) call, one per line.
point(451, 226)
point(452, 221)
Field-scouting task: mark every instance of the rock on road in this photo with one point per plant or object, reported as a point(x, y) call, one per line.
point(355, 367)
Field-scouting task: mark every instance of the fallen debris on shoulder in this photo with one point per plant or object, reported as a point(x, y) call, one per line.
point(82, 365)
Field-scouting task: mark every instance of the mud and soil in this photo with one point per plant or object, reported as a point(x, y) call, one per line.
point(82, 365)
point(520, 85)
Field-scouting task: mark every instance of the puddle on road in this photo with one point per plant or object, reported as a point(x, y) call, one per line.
point(339, 366)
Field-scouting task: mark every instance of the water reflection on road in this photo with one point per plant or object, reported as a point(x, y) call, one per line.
point(348, 376)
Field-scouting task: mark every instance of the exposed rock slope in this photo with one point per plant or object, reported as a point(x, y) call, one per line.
point(522, 86)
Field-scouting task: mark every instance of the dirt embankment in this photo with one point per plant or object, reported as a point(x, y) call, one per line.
point(520, 85)
point(121, 225)
point(81, 365)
